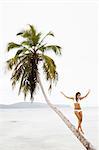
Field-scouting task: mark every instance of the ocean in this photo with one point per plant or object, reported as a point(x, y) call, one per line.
point(42, 129)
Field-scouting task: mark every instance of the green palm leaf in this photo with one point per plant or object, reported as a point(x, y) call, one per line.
point(27, 43)
point(55, 48)
point(12, 45)
point(36, 39)
point(32, 30)
point(11, 62)
point(21, 51)
point(49, 68)
point(50, 33)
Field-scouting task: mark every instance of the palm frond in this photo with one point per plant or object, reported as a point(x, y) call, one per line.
point(48, 34)
point(31, 35)
point(16, 75)
point(11, 62)
point(25, 71)
point(28, 43)
point(12, 45)
point(32, 29)
point(25, 34)
point(41, 47)
point(25, 89)
point(36, 39)
point(19, 57)
point(49, 68)
point(21, 83)
point(20, 33)
point(55, 48)
point(22, 51)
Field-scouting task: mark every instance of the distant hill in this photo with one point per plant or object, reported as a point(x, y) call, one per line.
point(24, 105)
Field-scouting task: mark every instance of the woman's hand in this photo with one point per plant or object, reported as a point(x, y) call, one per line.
point(89, 91)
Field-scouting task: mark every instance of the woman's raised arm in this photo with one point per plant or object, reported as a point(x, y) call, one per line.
point(67, 96)
point(85, 95)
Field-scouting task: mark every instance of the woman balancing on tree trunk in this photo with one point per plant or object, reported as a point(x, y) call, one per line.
point(77, 107)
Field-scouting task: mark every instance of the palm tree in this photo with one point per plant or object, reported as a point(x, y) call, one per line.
point(24, 65)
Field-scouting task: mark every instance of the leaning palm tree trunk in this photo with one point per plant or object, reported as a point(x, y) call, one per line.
point(79, 136)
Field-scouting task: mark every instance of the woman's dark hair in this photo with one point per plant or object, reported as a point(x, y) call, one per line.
point(77, 94)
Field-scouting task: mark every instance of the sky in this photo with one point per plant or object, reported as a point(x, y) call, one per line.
point(75, 25)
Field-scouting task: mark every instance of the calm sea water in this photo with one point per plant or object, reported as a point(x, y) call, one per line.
point(42, 129)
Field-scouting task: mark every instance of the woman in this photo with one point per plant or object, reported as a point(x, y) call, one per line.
point(77, 108)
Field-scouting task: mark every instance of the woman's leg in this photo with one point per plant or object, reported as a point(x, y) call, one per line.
point(78, 116)
point(81, 116)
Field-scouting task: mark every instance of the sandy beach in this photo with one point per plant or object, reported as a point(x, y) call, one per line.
point(42, 129)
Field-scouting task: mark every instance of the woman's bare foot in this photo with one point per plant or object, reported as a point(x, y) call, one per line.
point(77, 128)
point(81, 131)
